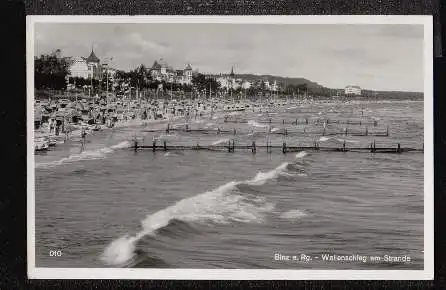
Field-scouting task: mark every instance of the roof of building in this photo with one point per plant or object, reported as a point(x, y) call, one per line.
point(232, 71)
point(156, 65)
point(353, 87)
point(163, 63)
point(188, 67)
point(92, 57)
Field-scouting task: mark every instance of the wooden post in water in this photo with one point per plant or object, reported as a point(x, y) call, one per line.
point(154, 145)
point(296, 121)
point(168, 128)
point(374, 145)
point(165, 145)
point(345, 131)
point(343, 147)
point(399, 148)
point(229, 146)
point(306, 121)
point(135, 144)
point(387, 131)
point(235, 132)
point(366, 131)
point(283, 121)
point(323, 133)
point(218, 131)
point(286, 132)
point(253, 147)
point(284, 147)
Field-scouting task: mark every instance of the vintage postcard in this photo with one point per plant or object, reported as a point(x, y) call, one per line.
point(230, 147)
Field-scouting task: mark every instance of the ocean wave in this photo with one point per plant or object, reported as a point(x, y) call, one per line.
point(346, 140)
point(256, 124)
point(293, 214)
point(223, 205)
point(220, 141)
point(85, 155)
point(164, 136)
point(324, 139)
point(301, 154)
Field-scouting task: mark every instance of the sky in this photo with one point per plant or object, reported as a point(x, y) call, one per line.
point(377, 57)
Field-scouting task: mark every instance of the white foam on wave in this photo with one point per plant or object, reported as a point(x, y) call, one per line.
point(256, 124)
point(85, 155)
point(262, 177)
point(348, 141)
point(323, 139)
point(220, 206)
point(164, 136)
point(301, 154)
point(121, 145)
point(293, 214)
point(220, 141)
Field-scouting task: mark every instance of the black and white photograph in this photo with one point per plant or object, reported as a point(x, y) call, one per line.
point(213, 147)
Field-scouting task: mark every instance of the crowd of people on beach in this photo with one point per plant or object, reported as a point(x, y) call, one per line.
point(57, 120)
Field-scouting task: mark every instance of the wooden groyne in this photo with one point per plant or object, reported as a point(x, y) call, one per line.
point(282, 131)
point(306, 121)
point(284, 148)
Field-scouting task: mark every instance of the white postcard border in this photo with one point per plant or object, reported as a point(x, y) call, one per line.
point(238, 274)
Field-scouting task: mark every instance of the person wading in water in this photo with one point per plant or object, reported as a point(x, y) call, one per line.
point(83, 135)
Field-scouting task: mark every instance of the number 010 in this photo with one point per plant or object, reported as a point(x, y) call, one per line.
point(54, 253)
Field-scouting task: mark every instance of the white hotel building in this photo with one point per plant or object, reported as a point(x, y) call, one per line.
point(85, 68)
point(352, 90)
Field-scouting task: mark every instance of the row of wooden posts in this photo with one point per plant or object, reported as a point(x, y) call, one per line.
point(285, 131)
point(231, 147)
point(295, 122)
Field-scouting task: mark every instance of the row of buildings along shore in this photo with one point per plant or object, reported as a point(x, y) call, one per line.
point(91, 67)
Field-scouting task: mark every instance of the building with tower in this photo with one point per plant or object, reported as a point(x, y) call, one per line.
point(160, 71)
point(85, 67)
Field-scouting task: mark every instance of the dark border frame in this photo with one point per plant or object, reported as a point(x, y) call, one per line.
point(13, 268)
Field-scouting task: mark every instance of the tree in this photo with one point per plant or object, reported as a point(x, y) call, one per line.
point(205, 84)
point(50, 71)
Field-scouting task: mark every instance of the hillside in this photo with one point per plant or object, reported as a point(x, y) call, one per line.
point(281, 80)
point(319, 90)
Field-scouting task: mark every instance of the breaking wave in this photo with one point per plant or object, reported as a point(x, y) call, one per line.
point(293, 214)
point(220, 141)
point(222, 205)
point(256, 124)
point(86, 155)
point(301, 154)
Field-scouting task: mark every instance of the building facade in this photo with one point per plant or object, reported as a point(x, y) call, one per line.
point(352, 90)
point(85, 67)
point(160, 71)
